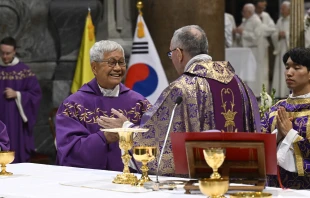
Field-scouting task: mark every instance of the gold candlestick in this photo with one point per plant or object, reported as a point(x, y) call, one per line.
point(6, 157)
point(144, 155)
point(125, 143)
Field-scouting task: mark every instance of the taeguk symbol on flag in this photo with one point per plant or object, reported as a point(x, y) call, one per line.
point(141, 77)
point(145, 73)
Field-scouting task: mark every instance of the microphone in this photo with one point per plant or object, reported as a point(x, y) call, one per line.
point(151, 185)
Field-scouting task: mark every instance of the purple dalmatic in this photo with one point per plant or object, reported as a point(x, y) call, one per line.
point(80, 142)
point(4, 138)
point(20, 78)
point(299, 110)
point(213, 98)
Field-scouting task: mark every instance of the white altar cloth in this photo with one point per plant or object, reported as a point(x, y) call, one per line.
point(46, 181)
point(243, 61)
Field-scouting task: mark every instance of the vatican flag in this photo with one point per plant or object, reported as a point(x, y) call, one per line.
point(145, 72)
point(83, 72)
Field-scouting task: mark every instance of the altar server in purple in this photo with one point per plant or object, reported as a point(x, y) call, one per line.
point(19, 104)
point(4, 138)
point(80, 142)
point(289, 119)
point(214, 97)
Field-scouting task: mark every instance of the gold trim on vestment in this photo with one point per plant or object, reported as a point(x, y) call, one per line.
point(14, 75)
point(83, 114)
point(298, 157)
point(229, 115)
point(297, 101)
point(220, 71)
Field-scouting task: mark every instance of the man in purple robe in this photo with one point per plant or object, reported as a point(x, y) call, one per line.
point(214, 97)
point(289, 119)
point(80, 142)
point(4, 138)
point(19, 104)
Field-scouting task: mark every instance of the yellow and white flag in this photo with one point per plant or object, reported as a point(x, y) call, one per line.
point(83, 72)
point(145, 72)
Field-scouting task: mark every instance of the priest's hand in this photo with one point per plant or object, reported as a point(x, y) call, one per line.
point(282, 35)
point(239, 30)
point(284, 123)
point(110, 123)
point(10, 93)
point(111, 137)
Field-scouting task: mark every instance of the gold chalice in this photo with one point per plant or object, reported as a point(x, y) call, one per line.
point(214, 188)
point(214, 158)
point(144, 154)
point(125, 143)
point(6, 157)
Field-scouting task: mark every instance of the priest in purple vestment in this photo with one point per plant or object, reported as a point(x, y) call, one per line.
point(4, 138)
point(289, 119)
point(20, 100)
point(214, 97)
point(80, 142)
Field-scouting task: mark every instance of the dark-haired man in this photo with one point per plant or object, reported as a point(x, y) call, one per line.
point(289, 119)
point(21, 95)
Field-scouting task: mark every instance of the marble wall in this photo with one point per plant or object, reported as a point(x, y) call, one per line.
point(48, 34)
point(163, 18)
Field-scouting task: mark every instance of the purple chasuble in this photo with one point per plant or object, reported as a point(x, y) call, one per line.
point(4, 138)
point(80, 142)
point(213, 98)
point(20, 78)
point(299, 110)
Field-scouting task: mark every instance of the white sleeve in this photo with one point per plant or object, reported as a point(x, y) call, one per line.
point(285, 152)
point(18, 100)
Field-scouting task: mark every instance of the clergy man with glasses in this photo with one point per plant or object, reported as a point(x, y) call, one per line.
point(80, 142)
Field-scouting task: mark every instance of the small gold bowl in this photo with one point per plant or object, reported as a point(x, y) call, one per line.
point(6, 157)
point(214, 187)
point(250, 195)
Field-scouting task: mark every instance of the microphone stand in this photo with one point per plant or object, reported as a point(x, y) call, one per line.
point(155, 185)
point(166, 138)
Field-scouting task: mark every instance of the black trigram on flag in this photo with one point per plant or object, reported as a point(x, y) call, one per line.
point(140, 48)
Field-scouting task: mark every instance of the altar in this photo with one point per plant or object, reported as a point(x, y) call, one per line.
point(48, 181)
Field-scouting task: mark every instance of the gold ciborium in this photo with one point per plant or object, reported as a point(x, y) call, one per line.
point(6, 157)
point(214, 158)
point(214, 188)
point(125, 143)
point(144, 154)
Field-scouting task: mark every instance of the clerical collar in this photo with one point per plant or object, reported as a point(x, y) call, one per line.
point(200, 57)
point(14, 62)
point(109, 92)
point(301, 96)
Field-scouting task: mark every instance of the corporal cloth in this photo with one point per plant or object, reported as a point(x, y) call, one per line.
point(20, 78)
point(79, 140)
point(213, 98)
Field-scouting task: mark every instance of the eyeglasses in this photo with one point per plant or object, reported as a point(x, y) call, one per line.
point(169, 54)
point(112, 62)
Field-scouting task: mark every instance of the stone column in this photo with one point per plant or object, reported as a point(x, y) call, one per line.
point(163, 17)
point(297, 28)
